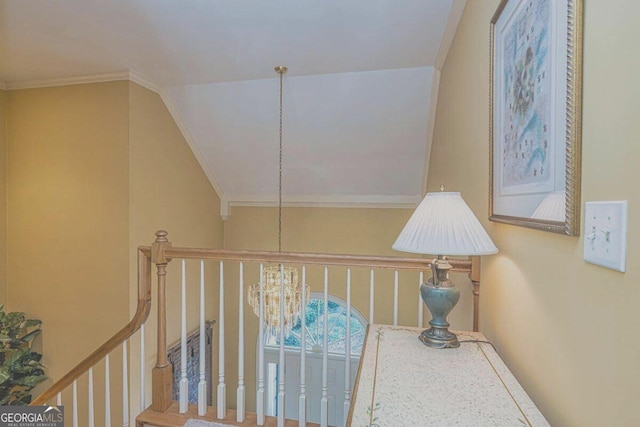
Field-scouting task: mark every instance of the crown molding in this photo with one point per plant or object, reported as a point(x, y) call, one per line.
point(227, 201)
point(327, 201)
point(135, 77)
point(431, 124)
point(66, 81)
point(145, 82)
point(74, 80)
point(182, 126)
point(455, 15)
point(457, 8)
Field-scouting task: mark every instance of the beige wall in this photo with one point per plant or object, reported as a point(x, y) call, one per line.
point(93, 171)
point(168, 190)
point(324, 230)
point(564, 327)
point(68, 216)
point(3, 197)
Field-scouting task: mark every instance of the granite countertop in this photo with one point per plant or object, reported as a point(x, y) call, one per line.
point(404, 383)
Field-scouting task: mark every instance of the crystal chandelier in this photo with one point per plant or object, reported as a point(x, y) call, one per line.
point(279, 279)
point(271, 278)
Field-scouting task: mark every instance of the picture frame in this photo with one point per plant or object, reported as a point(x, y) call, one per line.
point(536, 114)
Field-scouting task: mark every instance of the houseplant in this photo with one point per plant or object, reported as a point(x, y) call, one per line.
point(20, 367)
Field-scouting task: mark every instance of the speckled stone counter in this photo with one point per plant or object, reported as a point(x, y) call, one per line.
point(403, 383)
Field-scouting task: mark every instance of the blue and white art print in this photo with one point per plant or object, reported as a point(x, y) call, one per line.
point(536, 107)
point(526, 104)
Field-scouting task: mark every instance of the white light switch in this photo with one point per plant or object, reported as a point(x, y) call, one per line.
point(605, 234)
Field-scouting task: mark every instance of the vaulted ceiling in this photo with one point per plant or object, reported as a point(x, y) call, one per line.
point(358, 97)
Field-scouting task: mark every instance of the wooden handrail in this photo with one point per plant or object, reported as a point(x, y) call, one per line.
point(140, 316)
point(459, 265)
point(161, 254)
point(470, 265)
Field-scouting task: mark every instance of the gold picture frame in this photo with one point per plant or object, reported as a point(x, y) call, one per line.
point(536, 114)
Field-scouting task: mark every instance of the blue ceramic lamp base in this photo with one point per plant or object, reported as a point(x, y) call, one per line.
point(440, 296)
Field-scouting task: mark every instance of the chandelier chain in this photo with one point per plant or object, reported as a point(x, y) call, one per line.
point(277, 298)
point(280, 174)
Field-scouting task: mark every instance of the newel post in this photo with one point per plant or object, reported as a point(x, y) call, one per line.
point(162, 375)
point(474, 275)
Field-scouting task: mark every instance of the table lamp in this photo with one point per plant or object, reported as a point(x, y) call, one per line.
point(442, 224)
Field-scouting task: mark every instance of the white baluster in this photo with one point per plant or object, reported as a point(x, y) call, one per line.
point(371, 296)
point(59, 399)
point(260, 395)
point(302, 400)
point(202, 384)
point(241, 390)
point(347, 353)
point(395, 298)
point(324, 401)
point(184, 383)
point(281, 363)
point(91, 422)
point(420, 305)
point(107, 393)
point(125, 386)
point(143, 403)
point(75, 404)
point(222, 388)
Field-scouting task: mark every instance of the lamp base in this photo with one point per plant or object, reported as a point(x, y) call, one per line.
point(439, 338)
point(440, 296)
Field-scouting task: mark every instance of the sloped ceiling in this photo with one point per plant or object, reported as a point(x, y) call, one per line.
point(357, 96)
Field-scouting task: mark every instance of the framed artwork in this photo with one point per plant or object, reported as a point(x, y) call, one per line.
point(536, 108)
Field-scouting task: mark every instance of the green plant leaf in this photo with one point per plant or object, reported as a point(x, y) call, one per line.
point(31, 335)
point(14, 357)
point(20, 368)
point(8, 354)
point(32, 322)
point(31, 381)
point(4, 375)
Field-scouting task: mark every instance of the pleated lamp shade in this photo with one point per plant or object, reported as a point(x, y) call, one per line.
point(552, 207)
point(443, 224)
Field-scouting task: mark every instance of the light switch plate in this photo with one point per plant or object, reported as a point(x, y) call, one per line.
point(605, 234)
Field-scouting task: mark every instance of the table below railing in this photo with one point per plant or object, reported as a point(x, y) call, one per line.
point(469, 385)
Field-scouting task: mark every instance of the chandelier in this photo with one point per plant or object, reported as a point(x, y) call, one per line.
point(278, 280)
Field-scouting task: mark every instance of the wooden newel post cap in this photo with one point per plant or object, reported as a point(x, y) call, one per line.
point(158, 248)
point(161, 236)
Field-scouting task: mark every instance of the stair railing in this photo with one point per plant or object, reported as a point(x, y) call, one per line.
point(163, 252)
point(53, 395)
